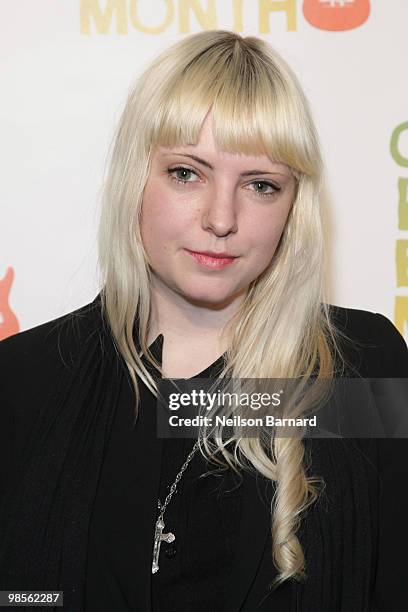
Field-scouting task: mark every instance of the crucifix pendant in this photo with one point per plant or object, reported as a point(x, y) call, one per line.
point(159, 537)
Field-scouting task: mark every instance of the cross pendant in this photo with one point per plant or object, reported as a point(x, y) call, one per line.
point(159, 537)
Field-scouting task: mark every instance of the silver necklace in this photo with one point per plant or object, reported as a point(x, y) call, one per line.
point(159, 536)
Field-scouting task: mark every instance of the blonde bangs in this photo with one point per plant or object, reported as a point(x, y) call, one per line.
point(253, 113)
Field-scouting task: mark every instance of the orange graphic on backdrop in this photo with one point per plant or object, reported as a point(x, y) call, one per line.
point(8, 321)
point(336, 15)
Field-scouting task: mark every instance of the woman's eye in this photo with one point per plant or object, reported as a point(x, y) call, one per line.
point(266, 189)
point(181, 174)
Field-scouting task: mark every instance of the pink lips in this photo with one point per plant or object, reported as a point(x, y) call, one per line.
point(214, 263)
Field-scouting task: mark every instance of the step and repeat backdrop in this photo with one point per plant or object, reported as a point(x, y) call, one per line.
point(66, 69)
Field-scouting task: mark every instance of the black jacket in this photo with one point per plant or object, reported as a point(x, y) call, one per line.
point(60, 386)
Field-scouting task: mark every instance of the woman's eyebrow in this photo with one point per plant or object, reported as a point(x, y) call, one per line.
point(208, 165)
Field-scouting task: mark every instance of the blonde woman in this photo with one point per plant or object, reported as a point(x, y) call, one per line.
point(212, 252)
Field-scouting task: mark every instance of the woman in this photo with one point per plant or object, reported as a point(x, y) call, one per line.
point(211, 249)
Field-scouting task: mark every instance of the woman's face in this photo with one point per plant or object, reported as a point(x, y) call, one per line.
point(198, 199)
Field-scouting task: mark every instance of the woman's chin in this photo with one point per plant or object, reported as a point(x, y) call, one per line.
point(210, 296)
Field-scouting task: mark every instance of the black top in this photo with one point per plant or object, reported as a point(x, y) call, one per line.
point(67, 451)
point(203, 514)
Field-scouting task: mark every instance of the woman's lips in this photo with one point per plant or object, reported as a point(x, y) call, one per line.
point(214, 263)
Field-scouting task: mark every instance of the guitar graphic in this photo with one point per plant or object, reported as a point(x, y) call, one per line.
point(8, 321)
point(336, 15)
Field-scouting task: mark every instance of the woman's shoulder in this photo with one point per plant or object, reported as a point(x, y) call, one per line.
point(370, 342)
point(364, 324)
point(31, 365)
point(70, 327)
point(30, 359)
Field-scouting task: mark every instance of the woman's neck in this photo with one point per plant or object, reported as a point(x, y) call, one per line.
point(195, 335)
point(178, 318)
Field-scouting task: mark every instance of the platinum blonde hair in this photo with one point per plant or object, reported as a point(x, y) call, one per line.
point(282, 328)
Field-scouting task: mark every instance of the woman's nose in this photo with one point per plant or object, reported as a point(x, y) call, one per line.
point(220, 213)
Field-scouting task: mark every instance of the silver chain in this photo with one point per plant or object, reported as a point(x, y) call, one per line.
point(173, 487)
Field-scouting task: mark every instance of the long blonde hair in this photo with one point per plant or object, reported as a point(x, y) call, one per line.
point(282, 328)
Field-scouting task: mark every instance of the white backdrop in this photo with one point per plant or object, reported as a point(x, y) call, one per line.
point(66, 68)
